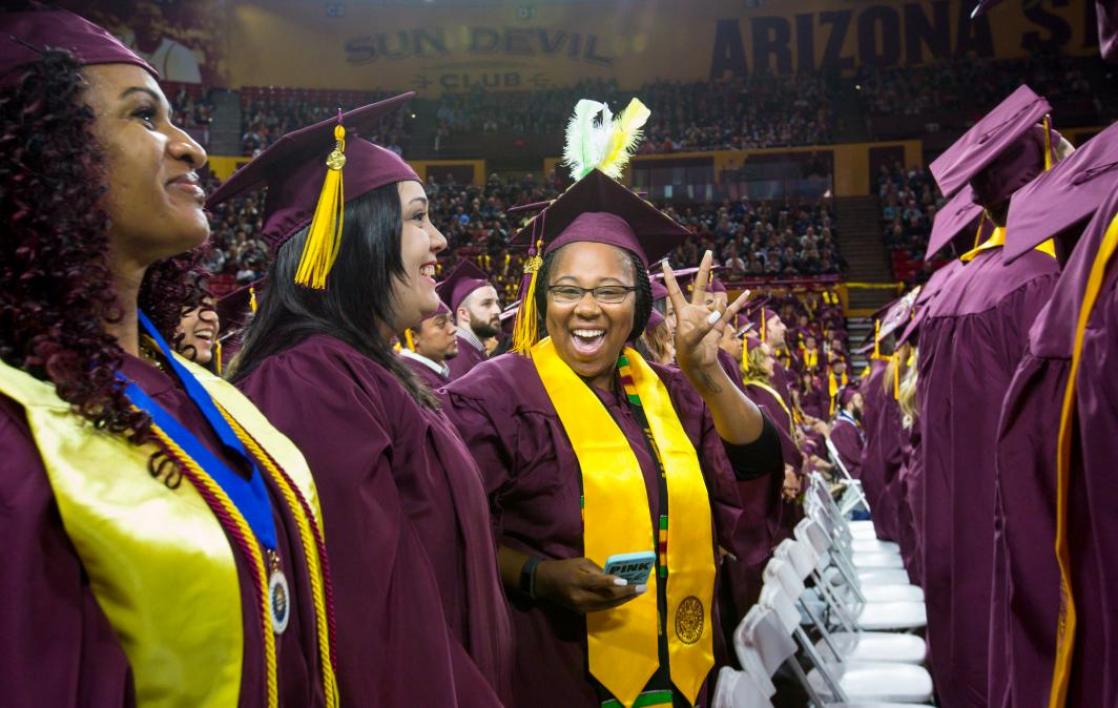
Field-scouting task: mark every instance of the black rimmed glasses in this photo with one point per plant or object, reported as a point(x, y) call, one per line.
point(605, 294)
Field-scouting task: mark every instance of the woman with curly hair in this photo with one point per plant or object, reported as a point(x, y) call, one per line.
point(162, 541)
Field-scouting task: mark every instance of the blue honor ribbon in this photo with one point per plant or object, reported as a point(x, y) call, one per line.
point(249, 495)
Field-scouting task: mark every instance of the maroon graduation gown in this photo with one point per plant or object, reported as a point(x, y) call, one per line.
point(1026, 590)
point(910, 508)
point(468, 357)
point(971, 340)
point(849, 442)
point(533, 478)
point(425, 373)
point(57, 648)
point(882, 456)
point(390, 473)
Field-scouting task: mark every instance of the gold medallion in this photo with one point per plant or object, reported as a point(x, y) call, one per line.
point(689, 620)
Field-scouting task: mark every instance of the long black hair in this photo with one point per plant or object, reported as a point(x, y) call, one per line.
point(356, 302)
point(643, 285)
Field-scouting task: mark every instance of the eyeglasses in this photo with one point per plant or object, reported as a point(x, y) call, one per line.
point(605, 295)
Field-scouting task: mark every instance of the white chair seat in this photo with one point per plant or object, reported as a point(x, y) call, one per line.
point(862, 529)
point(873, 681)
point(866, 561)
point(874, 646)
point(867, 545)
point(892, 615)
point(736, 689)
point(883, 576)
point(892, 593)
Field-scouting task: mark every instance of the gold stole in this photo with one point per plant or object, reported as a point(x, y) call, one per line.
point(765, 387)
point(159, 563)
point(622, 642)
point(1068, 619)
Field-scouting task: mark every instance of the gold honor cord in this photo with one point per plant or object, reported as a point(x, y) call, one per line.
point(1065, 629)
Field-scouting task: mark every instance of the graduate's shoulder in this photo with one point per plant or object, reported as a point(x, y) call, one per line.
point(508, 381)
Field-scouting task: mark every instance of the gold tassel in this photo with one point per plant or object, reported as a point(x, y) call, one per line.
point(217, 358)
point(252, 298)
point(409, 340)
point(745, 354)
point(325, 234)
point(896, 376)
point(526, 330)
point(876, 339)
point(764, 327)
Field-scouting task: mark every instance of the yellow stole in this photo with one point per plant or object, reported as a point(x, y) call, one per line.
point(765, 387)
point(1067, 619)
point(623, 642)
point(159, 563)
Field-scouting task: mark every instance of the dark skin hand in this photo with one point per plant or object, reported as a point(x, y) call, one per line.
point(577, 584)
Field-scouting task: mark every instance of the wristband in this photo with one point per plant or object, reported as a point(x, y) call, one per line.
point(528, 577)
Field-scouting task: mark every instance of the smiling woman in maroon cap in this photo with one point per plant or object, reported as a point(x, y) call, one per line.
point(422, 619)
point(589, 452)
point(162, 540)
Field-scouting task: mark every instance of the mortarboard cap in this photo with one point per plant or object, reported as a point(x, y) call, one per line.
point(465, 278)
point(25, 34)
point(986, 141)
point(659, 292)
point(655, 319)
point(303, 172)
point(960, 215)
point(1063, 197)
point(899, 314)
point(599, 209)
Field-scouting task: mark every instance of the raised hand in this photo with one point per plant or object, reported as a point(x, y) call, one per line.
point(698, 328)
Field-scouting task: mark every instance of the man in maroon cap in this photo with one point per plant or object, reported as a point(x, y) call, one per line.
point(972, 336)
point(473, 301)
point(429, 348)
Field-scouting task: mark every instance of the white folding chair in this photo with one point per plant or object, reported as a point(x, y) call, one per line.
point(850, 682)
point(850, 641)
point(736, 689)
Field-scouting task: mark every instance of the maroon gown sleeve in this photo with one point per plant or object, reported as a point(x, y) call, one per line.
point(57, 647)
point(394, 644)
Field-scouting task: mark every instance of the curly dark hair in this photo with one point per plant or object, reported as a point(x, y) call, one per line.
point(56, 286)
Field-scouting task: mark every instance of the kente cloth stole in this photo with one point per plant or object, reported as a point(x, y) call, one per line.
point(623, 642)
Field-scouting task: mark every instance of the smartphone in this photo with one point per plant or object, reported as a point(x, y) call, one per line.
point(633, 567)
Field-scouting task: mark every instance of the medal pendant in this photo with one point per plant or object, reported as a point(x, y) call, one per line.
point(279, 600)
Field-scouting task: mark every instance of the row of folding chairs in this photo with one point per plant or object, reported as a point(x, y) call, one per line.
point(838, 611)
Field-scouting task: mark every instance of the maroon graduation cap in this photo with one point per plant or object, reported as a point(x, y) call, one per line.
point(25, 34)
point(304, 172)
point(597, 208)
point(1063, 197)
point(465, 278)
point(996, 133)
point(958, 216)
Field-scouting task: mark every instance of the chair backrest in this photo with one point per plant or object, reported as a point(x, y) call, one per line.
point(749, 654)
point(766, 634)
point(735, 689)
point(781, 569)
point(775, 598)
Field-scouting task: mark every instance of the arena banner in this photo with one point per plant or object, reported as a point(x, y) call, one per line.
point(434, 47)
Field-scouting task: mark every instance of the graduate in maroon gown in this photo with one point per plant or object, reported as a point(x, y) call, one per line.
point(154, 550)
point(972, 337)
point(421, 616)
point(882, 456)
point(477, 311)
point(568, 431)
point(430, 347)
point(847, 435)
point(1026, 592)
point(1078, 632)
